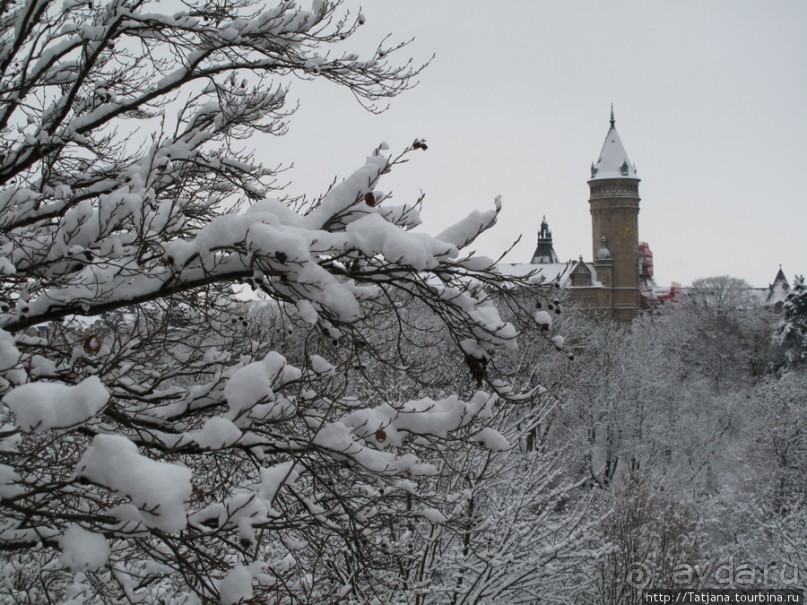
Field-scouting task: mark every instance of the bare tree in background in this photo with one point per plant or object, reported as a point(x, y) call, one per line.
point(719, 293)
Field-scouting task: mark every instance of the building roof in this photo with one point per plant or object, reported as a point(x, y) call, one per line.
point(548, 273)
point(778, 290)
point(613, 162)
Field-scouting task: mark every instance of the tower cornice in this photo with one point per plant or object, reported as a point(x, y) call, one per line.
point(622, 187)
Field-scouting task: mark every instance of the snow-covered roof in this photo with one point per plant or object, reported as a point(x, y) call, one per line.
point(757, 296)
point(779, 289)
point(549, 272)
point(613, 162)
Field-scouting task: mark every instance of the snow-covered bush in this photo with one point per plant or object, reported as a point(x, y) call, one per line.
point(497, 524)
point(158, 444)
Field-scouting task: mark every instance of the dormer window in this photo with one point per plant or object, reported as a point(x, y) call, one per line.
point(624, 169)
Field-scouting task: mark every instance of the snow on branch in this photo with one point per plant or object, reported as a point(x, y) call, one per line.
point(162, 439)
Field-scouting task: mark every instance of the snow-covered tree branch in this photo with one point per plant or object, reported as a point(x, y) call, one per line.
point(162, 441)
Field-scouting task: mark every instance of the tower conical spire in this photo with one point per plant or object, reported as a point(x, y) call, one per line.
point(613, 162)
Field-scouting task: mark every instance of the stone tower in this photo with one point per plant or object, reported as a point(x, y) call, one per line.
point(614, 204)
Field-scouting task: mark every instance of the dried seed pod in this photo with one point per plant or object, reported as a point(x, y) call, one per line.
point(92, 344)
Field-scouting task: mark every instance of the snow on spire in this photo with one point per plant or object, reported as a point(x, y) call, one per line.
point(613, 162)
point(778, 290)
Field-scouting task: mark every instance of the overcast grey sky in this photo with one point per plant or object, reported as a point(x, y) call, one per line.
point(710, 101)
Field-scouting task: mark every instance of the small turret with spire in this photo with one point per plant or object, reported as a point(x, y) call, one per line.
point(544, 252)
point(778, 290)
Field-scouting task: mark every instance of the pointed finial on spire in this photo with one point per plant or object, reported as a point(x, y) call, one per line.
point(612, 115)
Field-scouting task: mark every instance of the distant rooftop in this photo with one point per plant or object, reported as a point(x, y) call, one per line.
point(548, 273)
